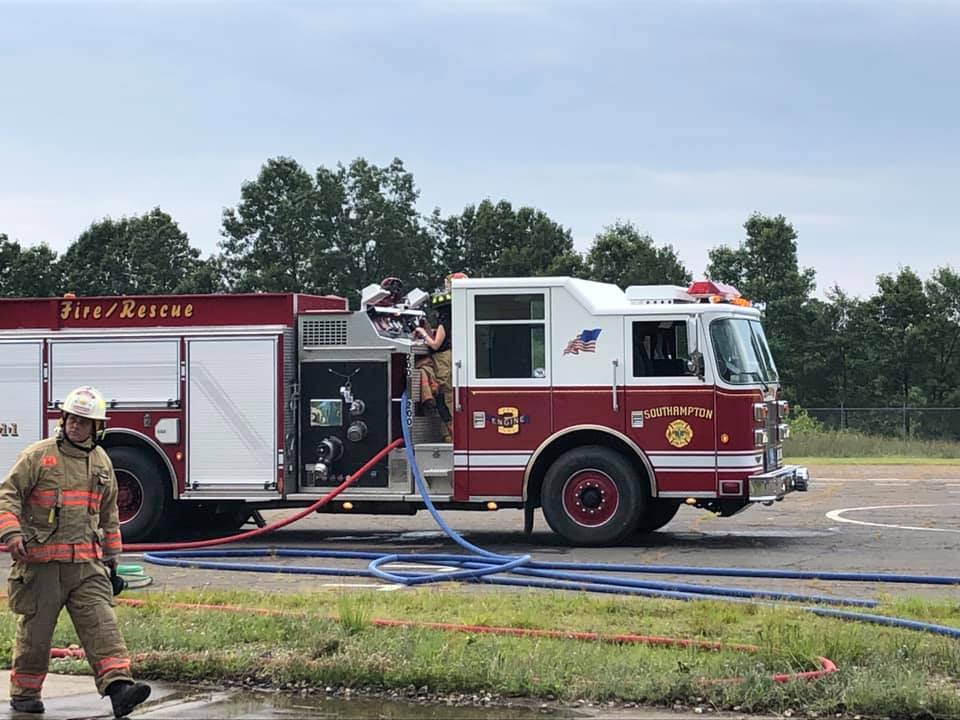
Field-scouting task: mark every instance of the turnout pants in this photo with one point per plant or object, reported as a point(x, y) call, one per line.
point(37, 593)
point(436, 376)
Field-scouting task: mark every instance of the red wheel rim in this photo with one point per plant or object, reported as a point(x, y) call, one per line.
point(129, 495)
point(590, 498)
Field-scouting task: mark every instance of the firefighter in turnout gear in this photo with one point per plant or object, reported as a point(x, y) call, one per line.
point(60, 524)
point(436, 370)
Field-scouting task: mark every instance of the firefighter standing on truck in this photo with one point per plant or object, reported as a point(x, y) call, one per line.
point(60, 524)
point(436, 371)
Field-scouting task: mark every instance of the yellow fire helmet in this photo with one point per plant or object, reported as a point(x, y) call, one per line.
point(85, 402)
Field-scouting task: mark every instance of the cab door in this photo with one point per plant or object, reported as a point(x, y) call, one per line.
point(503, 381)
point(670, 408)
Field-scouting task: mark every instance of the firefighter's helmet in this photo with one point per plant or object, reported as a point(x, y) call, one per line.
point(85, 402)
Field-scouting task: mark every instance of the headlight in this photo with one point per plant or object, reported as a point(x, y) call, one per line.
point(760, 412)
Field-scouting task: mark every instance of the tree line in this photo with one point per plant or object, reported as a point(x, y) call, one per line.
point(338, 229)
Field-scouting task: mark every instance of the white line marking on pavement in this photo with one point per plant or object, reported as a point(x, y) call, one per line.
point(836, 516)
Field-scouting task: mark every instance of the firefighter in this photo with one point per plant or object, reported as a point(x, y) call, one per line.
point(436, 373)
point(60, 524)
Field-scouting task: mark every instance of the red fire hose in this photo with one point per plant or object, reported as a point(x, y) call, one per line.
point(827, 666)
point(146, 547)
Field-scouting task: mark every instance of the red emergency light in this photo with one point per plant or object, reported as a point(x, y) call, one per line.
point(715, 292)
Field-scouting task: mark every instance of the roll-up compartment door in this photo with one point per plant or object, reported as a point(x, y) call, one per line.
point(232, 413)
point(126, 372)
point(21, 410)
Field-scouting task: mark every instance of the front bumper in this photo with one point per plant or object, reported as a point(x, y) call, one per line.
point(775, 484)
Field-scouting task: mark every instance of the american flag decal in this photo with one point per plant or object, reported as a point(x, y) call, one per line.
point(586, 341)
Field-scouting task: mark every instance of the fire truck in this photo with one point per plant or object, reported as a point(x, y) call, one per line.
point(606, 409)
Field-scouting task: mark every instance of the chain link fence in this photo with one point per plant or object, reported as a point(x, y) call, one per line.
point(929, 423)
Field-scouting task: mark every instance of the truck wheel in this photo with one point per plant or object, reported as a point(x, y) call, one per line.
point(592, 496)
point(657, 514)
point(143, 499)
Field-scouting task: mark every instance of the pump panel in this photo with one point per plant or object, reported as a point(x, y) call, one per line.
point(344, 416)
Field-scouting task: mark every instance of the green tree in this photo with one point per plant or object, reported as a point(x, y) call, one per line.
point(206, 277)
point(726, 264)
point(765, 269)
point(816, 373)
point(375, 228)
point(275, 236)
point(840, 312)
point(900, 310)
point(336, 231)
point(941, 337)
point(27, 272)
point(140, 254)
point(494, 240)
point(765, 266)
point(623, 256)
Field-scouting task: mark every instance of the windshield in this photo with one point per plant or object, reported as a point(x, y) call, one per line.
point(743, 355)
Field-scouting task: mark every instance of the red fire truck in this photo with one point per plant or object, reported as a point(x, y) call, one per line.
point(607, 409)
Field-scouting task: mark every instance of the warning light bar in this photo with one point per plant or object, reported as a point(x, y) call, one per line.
point(717, 292)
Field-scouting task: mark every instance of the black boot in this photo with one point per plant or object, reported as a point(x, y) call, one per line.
point(27, 704)
point(126, 695)
point(442, 410)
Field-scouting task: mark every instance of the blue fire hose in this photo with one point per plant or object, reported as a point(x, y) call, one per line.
point(483, 566)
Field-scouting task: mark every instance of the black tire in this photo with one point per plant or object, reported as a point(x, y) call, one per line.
point(592, 496)
point(656, 514)
point(144, 500)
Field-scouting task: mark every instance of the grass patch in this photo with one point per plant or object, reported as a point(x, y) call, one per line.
point(331, 639)
point(835, 444)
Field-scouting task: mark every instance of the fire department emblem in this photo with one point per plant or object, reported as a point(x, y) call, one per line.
point(679, 433)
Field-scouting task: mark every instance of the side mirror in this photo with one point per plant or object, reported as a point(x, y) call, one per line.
point(695, 364)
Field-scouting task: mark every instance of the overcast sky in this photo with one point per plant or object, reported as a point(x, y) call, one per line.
point(683, 117)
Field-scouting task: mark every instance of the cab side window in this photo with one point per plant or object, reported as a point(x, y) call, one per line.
point(510, 335)
point(660, 348)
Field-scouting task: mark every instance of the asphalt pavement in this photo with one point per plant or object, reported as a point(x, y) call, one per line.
point(896, 519)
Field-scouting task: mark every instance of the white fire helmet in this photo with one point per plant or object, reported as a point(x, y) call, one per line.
point(85, 402)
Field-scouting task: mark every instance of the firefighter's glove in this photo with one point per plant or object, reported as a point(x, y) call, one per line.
point(15, 546)
point(119, 584)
